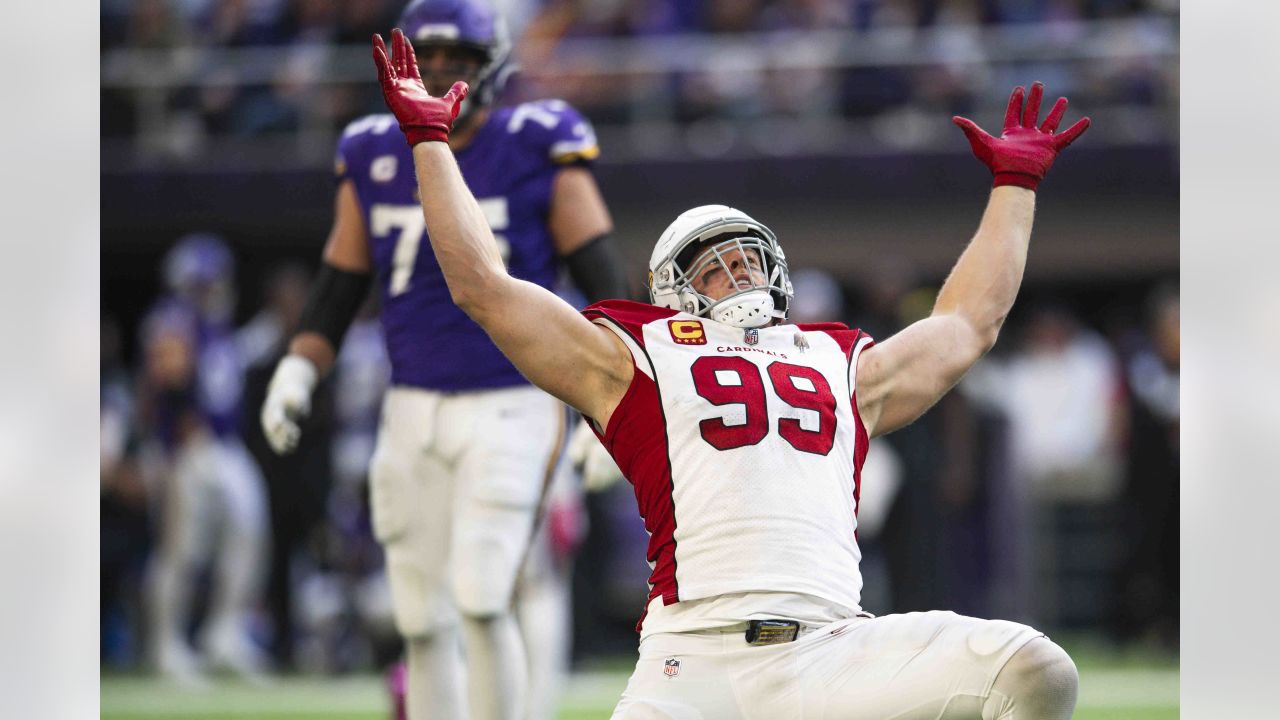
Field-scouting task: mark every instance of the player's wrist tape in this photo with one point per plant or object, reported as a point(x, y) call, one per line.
point(415, 134)
point(335, 297)
point(1021, 180)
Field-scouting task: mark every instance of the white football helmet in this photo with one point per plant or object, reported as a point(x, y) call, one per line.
point(726, 230)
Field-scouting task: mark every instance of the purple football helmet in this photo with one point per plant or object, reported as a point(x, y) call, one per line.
point(465, 23)
point(201, 270)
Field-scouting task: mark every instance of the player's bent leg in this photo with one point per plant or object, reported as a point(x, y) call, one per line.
point(1039, 682)
point(930, 665)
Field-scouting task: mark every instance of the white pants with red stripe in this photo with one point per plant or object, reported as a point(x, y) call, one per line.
point(935, 665)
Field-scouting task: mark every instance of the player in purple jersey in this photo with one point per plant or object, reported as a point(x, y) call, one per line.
point(466, 443)
point(211, 493)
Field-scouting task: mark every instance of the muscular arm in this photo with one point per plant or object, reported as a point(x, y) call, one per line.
point(580, 225)
point(578, 213)
point(555, 347)
point(901, 378)
point(346, 249)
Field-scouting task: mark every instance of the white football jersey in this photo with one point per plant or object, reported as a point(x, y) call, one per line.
point(744, 449)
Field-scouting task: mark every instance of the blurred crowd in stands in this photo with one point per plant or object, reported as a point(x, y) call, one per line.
point(1044, 489)
point(726, 59)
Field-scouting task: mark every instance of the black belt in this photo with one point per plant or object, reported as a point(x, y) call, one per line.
point(772, 632)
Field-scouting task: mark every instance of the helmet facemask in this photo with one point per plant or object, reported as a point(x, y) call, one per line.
point(760, 298)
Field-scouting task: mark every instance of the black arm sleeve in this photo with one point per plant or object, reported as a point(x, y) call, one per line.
point(335, 297)
point(596, 268)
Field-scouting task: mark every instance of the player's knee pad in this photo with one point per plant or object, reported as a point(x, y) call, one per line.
point(420, 600)
point(484, 576)
point(489, 544)
point(1039, 681)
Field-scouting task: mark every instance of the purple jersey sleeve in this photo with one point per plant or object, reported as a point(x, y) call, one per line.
point(556, 130)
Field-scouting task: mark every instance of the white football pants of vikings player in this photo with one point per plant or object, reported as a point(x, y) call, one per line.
point(544, 604)
point(456, 481)
point(214, 512)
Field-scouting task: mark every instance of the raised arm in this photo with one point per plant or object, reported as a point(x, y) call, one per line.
point(901, 378)
point(553, 345)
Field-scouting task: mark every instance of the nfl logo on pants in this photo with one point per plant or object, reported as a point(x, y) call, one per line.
point(671, 667)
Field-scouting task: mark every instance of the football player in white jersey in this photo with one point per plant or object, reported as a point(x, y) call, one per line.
point(743, 437)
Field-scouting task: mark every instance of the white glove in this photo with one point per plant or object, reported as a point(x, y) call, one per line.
point(591, 460)
point(288, 401)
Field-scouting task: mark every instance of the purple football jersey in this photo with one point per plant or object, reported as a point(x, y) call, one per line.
point(218, 383)
point(509, 166)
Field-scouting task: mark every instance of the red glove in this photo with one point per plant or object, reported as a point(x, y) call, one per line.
point(422, 118)
point(1022, 154)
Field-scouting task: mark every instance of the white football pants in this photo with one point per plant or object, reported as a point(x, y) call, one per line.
point(544, 605)
point(455, 482)
point(214, 512)
point(925, 666)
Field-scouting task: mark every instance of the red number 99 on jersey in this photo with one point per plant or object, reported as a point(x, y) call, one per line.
point(737, 381)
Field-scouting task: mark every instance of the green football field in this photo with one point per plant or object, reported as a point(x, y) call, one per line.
point(1110, 689)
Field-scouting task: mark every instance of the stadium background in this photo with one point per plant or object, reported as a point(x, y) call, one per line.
point(830, 122)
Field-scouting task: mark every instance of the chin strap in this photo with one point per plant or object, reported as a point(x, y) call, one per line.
point(747, 316)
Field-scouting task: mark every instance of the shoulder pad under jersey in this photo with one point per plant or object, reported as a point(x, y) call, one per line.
point(554, 129)
point(356, 138)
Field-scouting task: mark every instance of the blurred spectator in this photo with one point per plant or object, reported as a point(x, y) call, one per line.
point(285, 293)
point(930, 560)
point(154, 24)
point(731, 85)
point(297, 485)
point(365, 632)
point(330, 600)
point(124, 535)
point(310, 21)
point(240, 23)
point(821, 67)
point(360, 19)
point(960, 70)
point(1148, 591)
point(1061, 391)
point(1062, 395)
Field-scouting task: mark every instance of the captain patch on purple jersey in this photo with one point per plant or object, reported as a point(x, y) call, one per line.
point(509, 166)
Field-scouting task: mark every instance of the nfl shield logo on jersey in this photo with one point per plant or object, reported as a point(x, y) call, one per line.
point(671, 667)
point(751, 337)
